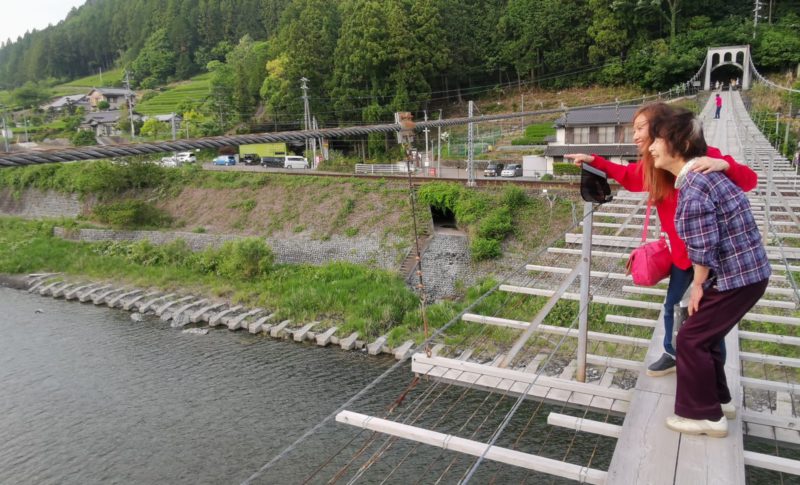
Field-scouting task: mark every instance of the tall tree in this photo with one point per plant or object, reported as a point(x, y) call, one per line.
point(303, 47)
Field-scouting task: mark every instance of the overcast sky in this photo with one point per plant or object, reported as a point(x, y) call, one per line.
point(20, 16)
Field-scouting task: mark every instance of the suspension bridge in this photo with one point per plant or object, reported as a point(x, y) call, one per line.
point(533, 399)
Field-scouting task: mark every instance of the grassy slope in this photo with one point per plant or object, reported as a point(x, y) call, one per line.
point(109, 78)
point(195, 91)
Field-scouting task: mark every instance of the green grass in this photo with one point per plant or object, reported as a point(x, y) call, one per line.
point(108, 78)
point(352, 297)
point(194, 91)
point(535, 134)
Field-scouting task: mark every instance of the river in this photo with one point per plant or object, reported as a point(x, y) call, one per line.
point(90, 396)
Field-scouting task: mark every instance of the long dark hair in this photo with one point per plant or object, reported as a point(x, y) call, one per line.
point(658, 183)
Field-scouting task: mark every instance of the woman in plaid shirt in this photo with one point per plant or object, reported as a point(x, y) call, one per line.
point(731, 272)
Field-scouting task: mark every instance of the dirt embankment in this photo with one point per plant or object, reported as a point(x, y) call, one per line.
point(315, 211)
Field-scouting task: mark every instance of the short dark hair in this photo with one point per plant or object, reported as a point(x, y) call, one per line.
point(683, 134)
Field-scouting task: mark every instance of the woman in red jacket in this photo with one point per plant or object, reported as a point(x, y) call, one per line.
point(644, 177)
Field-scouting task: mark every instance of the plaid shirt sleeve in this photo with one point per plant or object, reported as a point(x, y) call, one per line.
point(697, 225)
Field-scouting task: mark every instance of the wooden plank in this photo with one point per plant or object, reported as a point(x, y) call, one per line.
point(769, 359)
point(582, 424)
point(641, 322)
point(769, 385)
point(614, 362)
point(646, 450)
point(776, 421)
point(717, 461)
point(646, 305)
point(774, 463)
point(769, 337)
point(551, 329)
point(519, 376)
point(594, 274)
point(763, 302)
point(474, 448)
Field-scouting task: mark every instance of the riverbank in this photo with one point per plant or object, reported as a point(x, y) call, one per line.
point(188, 311)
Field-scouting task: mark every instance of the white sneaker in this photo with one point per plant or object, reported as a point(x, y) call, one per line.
point(714, 429)
point(729, 410)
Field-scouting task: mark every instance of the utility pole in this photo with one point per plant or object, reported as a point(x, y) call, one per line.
point(172, 123)
point(130, 103)
point(25, 125)
point(755, 16)
point(5, 129)
point(306, 108)
point(427, 152)
point(439, 148)
point(470, 149)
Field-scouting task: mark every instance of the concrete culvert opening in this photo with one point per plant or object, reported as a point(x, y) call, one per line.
point(443, 218)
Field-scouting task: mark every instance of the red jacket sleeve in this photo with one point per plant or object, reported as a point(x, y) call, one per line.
point(629, 176)
point(741, 175)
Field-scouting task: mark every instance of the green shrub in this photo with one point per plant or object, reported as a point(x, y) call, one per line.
point(546, 177)
point(442, 196)
point(131, 214)
point(242, 258)
point(83, 138)
point(496, 225)
point(482, 248)
point(514, 197)
point(566, 169)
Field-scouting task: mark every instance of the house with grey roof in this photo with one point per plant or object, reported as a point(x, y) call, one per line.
point(116, 97)
point(104, 123)
point(64, 102)
point(604, 131)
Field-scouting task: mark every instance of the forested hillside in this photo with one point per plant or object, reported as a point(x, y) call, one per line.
point(368, 58)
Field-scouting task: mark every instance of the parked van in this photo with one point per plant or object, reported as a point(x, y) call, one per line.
point(294, 161)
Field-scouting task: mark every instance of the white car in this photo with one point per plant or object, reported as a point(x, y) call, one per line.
point(294, 161)
point(512, 170)
point(186, 157)
point(170, 162)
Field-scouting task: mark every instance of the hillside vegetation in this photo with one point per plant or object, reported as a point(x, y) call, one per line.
point(365, 59)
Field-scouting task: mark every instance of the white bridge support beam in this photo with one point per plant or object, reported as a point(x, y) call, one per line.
point(578, 473)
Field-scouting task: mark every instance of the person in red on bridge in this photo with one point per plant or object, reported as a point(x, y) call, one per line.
point(644, 177)
point(718, 102)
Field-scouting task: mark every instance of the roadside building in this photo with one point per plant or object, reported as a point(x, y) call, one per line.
point(605, 131)
point(67, 102)
point(115, 97)
point(104, 123)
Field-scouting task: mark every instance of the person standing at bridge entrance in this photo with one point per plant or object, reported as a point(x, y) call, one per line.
point(718, 102)
point(644, 177)
point(731, 272)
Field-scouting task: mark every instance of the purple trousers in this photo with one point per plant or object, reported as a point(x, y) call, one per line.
point(702, 384)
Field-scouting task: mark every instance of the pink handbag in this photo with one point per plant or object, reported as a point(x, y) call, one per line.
point(649, 263)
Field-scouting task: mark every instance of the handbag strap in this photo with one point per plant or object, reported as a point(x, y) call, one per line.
point(646, 221)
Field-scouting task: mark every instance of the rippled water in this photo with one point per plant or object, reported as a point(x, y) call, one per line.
point(89, 396)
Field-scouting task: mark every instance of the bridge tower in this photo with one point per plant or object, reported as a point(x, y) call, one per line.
point(737, 55)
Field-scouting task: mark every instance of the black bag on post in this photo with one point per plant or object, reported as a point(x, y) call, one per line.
point(594, 185)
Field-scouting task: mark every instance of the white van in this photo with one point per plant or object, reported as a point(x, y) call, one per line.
point(294, 161)
point(186, 157)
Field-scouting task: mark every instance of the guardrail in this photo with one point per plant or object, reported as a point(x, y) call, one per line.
point(383, 168)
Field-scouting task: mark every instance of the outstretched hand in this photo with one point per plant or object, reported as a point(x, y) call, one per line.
point(579, 158)
point(708, 165)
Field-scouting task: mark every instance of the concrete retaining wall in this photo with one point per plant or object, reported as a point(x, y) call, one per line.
point(36, 204)
point(367, 251)
point(445, 262)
